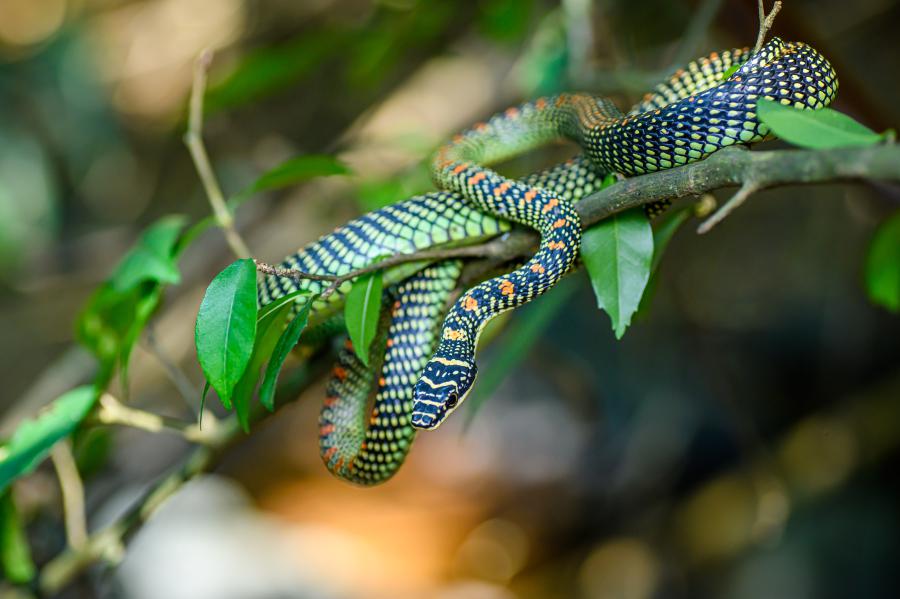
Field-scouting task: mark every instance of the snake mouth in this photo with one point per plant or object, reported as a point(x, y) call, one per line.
point(425, 421)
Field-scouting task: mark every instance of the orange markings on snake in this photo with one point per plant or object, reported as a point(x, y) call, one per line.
point(537, 268)
point(560, 223)
point(507, 288)
point(553, 203)
point(470, 304)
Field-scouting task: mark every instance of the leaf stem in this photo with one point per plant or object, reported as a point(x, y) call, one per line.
point(765, 22)
point(114, 412)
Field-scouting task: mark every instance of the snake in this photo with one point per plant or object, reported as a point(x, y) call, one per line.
point(422, 364)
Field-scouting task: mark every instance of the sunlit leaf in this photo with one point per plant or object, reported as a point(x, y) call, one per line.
point(33, 439)
point(883, 265)
point(618, 254)
point(15, 555)
point(294, 171)
point(815, 129)
point(226, 327)
point(286, 343)
point(152, 258)
point(362, 311)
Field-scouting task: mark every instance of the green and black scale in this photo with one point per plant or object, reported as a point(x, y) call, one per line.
point(429, 366)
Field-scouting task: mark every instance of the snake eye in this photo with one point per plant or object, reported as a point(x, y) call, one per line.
point(452, 400)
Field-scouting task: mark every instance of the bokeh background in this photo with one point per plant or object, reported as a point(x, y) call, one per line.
point(740, 441)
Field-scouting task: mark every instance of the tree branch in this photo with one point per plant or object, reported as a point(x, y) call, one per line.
point(72, 493)
point(193, 139)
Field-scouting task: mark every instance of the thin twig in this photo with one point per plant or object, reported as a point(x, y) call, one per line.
point(193, 139)
point(291, 273)
point(765, 22)
point(477, 251)
point(72, 493)
point(176, 375)
point(114, 412)
point(728, 207)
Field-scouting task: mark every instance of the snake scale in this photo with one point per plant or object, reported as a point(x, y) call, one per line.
point(425, 368)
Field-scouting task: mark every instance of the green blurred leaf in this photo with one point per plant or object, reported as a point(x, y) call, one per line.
point(618, 253)
point(544, 63)
point(505, 20)
point(362, 311)
point(296, 170)
point(32, 440)
point(269, 70)
point(513, 347)
point(111, 323)
point(226, 327)
point(883, 265)
point(152, 258)
point(667, 226)
point(286, 343)
point(15, 555)
point(815, 129)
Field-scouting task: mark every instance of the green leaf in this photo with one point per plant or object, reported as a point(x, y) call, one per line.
point(286, 343)
point(513, 347)
point(618, 254)
point(277, 304)
point(666, 227)
point(815, 129)
point(731, 71)
point(112, 322)
point(152, 258)
point(31, 442)
point(662, 234)
point(269, 70)
point(268, 330)
point(226, 327)
point(296, 170)
point(883, 265)
point(15, 555)
point(362, 311)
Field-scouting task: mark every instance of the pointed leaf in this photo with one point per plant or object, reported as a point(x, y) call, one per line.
point(815, 129)
point(618, 253)
point(152, 258)
point(362, 311)
point(883, 265)
point(296, 170)
point(31, 442)
point(268, 330)
point(286, 343)
point(15, 555)
point(226, 327)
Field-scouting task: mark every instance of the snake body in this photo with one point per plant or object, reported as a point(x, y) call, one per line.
point(696, 112)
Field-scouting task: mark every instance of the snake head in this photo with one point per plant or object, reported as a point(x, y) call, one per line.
point(443, 386)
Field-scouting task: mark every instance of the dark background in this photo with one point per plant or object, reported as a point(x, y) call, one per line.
point(740, 441)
